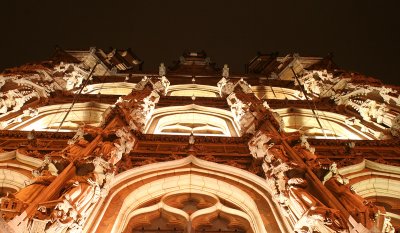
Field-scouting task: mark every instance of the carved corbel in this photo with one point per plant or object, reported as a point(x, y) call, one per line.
point(258, 145)
point(226, 86)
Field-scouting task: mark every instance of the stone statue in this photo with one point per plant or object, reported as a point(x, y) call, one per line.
point(288, 187)
point(322, 220)
point(266, 105)
point(72, 74)
point(83, 192)
point(258, 144)
point(162, 71)
point(238, 108)
point(387, 226)
point(125, 145)
point(36, 187)
point(299, 200)
point(59, 221)
point(225, 71)
point(358, 207)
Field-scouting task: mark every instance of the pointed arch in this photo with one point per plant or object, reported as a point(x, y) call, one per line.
point(334, 125)
point(246, 194)
point(49, 117)
point(269, 92)
point(114, 88)
point(200, 120)
point(196, 90)
point(378, 183)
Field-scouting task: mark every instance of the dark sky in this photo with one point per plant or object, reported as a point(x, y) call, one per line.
point(364, 36)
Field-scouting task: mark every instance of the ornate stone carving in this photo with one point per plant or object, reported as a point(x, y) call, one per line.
point(125, 145)
point(13, 100)
point(226, 86)
point(240, 110)
point(323, 220)
point(34, 84)
point(69, 75)
point(370, 109)
point(82, 193)
point(140, 103)
point(362, 210)
point(158, 84)
point(258, 145)
point(364, 98)
point(288, 187)
point(387, 226)
point(92, 176)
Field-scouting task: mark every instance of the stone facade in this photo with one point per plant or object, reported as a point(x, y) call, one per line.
point(91, 143)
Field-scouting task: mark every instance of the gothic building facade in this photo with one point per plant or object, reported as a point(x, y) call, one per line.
point(89, 142)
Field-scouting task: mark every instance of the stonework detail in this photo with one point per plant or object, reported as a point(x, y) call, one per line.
point(33, 86)
point(290, 191)
point(142, 100)
point(251, 159)
point(370, 101)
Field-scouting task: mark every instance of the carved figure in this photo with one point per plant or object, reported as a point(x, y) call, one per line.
point(258, 144)
point(349, 199)
point(387, 226)
point(36, 187)
point(83, 192)
point(357, 206)
point(225, 71)
point(322, 220)
point(276, 155)
point(162, 71)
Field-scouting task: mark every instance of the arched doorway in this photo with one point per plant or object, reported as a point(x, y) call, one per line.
point(187, 195)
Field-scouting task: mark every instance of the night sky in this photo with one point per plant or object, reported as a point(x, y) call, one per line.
point(364, 36)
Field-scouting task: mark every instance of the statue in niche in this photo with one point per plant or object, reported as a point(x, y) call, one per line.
point(289, 189)
point(72, 151)
point(84, 190)
point(358, 207)
point(312, 215)
point(72, 210)
point(299, 200)
point(36, 187)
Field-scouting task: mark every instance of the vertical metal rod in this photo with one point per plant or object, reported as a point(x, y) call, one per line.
point(76, 96)
point(273, 92)
point(308, 101)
